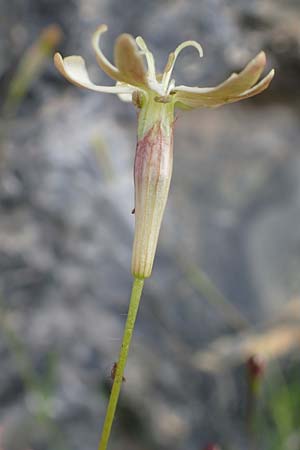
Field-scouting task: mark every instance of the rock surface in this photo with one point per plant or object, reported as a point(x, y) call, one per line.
point(66, 230)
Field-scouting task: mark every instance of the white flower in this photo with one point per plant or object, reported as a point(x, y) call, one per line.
point(131, 76)
point(156, 96)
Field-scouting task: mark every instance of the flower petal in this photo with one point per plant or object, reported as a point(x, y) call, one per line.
point(152, 80)
point(125, 97)
point(148, 55)
point(257, 89)
point(103, 62)
point(236, 83)
point(206, 97)
point(73, 68)
point(129, 61)
point(173, 56)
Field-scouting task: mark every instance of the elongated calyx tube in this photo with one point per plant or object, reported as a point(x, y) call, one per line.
point(152, 176)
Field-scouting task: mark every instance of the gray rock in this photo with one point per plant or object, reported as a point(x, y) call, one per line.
point(66, 229)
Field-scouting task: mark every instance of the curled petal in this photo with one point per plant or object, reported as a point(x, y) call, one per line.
point(257, 89)
point(197, 98)
point(129, 61)
point(73, 68)
point(236, 83)
point(103, 62)
point(173, 56)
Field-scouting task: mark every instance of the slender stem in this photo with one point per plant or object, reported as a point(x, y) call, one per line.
point(136, 293)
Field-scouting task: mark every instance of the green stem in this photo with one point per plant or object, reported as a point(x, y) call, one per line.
point(136, 293)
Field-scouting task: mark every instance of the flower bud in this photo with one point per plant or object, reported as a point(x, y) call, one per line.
point(212, 447)
point(255, 367)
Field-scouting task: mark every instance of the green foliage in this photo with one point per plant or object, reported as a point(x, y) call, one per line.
point(278, 418)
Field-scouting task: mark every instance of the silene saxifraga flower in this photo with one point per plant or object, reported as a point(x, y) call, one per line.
point(156, 96)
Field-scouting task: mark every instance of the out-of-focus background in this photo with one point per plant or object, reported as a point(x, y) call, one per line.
point(226, 283)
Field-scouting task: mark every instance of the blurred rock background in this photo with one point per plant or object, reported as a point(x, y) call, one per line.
point(66, 229)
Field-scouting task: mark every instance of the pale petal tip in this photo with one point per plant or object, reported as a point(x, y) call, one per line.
point(269, 77)
point(258, 88)
point(262, 55)
point(272, 73)
point(97, 33)
point(200, 51)
point(101, 28)
point(139, 40)
point(260, 59)
point(57, 57)
point(59, 63)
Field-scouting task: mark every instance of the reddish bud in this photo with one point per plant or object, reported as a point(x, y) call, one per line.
point(255, 367)
point(212, 447)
